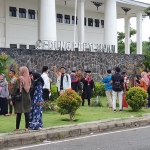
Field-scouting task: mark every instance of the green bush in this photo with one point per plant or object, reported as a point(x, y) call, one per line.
point(54, 93)
point(99, 89)
point(136, 98)
point(68, 103)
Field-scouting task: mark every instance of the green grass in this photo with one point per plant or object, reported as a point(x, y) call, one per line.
point(83, 114)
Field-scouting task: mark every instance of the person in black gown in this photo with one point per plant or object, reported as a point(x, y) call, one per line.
point(88, 87)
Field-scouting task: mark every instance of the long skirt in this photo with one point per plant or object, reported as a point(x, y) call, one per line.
point(3, 106)
point(45, 95)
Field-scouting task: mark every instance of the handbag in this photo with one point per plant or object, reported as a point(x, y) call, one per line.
point(18, 96)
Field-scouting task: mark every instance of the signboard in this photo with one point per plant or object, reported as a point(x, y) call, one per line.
point(68, 46)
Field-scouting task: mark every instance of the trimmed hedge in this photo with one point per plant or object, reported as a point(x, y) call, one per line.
point(99, 91)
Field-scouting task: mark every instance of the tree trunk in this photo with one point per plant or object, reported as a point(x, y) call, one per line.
point(71, 117)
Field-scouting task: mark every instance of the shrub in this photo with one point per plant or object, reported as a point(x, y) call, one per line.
point(48, 106)
point(97, 102)
point(68, 103)
point(136, 98)
point(54, 93)
point(99, 89)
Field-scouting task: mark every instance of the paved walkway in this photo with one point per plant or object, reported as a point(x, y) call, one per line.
point(54, 133)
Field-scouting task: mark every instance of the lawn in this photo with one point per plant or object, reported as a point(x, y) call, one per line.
point(84, 114)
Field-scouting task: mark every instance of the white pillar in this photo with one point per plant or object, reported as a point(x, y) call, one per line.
point(47, 25)
point(110, 23)
point(81, 36)
point(127, 34)
point(139, 32)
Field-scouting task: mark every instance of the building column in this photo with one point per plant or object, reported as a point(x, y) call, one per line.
point(110, 23)
point(7, 42)
point(127, 34)
point(139, 32)
point(81, 32)
point(47, 20)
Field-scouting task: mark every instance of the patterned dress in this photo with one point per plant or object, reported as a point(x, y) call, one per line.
point(35, 116)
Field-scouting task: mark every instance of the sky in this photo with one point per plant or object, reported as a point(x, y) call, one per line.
point(145, 24)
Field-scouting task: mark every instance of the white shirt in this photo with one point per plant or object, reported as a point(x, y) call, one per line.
point(46, 81)
point(66, 82)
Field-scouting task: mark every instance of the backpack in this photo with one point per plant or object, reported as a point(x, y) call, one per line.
point(117, 85)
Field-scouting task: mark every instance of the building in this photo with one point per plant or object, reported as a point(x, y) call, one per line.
point(23, 22)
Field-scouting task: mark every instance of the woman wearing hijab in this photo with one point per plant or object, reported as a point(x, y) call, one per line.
point(35, 116)
point(4, 93)
point(23, 85)
point(144, 82)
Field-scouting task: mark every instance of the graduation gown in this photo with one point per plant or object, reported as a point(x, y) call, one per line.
point(88, 86)
point(75, 84)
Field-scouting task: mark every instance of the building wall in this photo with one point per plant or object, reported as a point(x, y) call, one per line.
point(97, 62)
point(15, 30)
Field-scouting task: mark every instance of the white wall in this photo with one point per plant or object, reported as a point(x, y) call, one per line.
point(25, 31)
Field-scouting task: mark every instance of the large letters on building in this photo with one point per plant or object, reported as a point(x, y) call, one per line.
point(68, 46)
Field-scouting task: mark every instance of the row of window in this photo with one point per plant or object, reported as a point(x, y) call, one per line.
point(31, 15)
point(91, 22)
point(22, 12)
point(21, 46)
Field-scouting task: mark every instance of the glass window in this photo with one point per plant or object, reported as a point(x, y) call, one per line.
point(31, 46)
point(12, 11)
point(23, 46)
point(96, 22)
point(73, 19)
point(90, 22)
point(31, 14)
point(60, 18)
point(85, 21)
point(13, 45)
point(22, 13)
point(67, 19)
point(102, 23)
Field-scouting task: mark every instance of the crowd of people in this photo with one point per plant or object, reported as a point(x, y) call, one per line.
point(27, 92)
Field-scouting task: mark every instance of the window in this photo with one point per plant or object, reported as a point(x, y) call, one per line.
point(96, 22)
point(31, 46)
point(13, 45)
point(67, 19)
point(23, 46)
point(90, 22)
point(22, 13)
point(73, 19)
point(12, 11)
point(85, 21)
point(60, 18)
point(102, 23)
point(31, 14)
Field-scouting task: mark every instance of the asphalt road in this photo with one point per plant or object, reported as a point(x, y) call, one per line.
point(133, 139)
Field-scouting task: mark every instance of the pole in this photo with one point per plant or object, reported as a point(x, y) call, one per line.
point(75, 16)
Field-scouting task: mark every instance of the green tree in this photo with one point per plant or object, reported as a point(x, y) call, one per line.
point(146, 52)
point(121, 44)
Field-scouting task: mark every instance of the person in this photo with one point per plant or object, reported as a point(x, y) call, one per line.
point(4, 93)
point(75, 84)
point(108, 88)
point(88, 87)
point(11, 84)
point(63, 81)
point(35, 115)
point(126, 84)
point(56, 74)
point(117, 82)
point(22, 85)
point(79, 74)
point(126, 80)
point(46, 87)
point(144, 82)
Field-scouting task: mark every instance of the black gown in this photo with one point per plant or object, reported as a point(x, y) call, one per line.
point(88, 86)
point(75, 84)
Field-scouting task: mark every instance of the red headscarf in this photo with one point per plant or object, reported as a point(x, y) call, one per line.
point(25, 80)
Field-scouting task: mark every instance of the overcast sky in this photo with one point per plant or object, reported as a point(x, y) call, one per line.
point(146, 25)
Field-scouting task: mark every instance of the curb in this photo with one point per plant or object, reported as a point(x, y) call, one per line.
point(21, 138)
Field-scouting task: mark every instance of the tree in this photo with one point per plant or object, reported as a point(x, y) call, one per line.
point(121, 44)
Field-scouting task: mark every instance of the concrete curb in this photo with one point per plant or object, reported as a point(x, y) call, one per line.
point(50, 134)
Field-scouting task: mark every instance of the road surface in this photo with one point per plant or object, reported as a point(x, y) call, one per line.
point(131, 139)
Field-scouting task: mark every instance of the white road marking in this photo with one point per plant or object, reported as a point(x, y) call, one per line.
point(101, 134)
